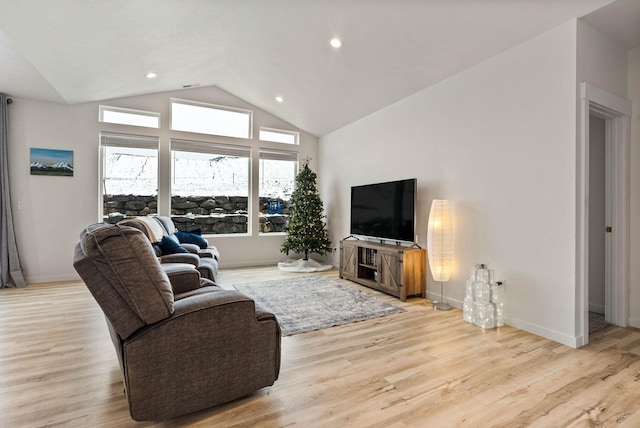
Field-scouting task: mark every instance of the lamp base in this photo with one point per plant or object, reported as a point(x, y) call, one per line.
point(442, 306)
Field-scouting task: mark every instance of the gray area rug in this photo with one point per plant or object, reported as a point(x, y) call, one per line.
point(307, 303)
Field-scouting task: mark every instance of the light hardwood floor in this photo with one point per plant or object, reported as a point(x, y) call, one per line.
point(421, 368)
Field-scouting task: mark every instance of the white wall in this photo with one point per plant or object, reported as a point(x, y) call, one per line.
point(601, 61)
point(604, 63)
point(499, 141)
point(633, 74)
point(47, 233)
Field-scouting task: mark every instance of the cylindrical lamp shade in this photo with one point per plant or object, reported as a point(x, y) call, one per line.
point(440, 240)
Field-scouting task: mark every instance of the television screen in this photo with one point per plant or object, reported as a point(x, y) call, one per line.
point(384, 210)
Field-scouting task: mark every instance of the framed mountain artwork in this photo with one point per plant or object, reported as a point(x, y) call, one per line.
point(51, 162)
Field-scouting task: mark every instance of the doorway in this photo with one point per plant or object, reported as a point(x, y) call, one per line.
point(598, 221)
point(609, 183)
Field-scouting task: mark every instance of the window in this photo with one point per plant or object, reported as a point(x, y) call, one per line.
point(279, 136)
point(210, 119)
point(210, 186)
point(129, 175)
point(277, 179)
point(124, 116)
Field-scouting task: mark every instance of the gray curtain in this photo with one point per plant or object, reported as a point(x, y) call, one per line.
point(10, 269)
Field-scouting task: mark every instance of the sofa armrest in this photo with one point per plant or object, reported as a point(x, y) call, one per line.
point(264, 315)
point(189, 258)
point(214, 251)
point(183, 277)
point(210, 253)
point(213, 344)
point(192, 248)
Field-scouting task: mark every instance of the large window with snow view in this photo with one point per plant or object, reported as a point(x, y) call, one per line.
point(128, 176)
point(204, 166)
point(277, 178)
point(210, 186)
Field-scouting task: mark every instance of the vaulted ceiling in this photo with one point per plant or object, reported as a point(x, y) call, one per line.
point(74, 51)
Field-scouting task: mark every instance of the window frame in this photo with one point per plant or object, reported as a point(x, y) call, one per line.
point(162, 145)
point(295, 134)
point(248, 113)
point(274, 154)
point(117, 139)
point(215, 148)
point(104, 108)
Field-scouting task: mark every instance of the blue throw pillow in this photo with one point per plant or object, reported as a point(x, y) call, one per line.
point(192, 238)
point(169, 246)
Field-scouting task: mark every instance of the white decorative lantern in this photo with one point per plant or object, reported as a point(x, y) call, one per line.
point(483, 304)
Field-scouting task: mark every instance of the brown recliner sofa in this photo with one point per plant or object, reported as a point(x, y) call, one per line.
point(179, 350)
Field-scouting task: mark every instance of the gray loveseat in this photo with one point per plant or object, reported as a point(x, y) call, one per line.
point(179, 351)
point(157, 228)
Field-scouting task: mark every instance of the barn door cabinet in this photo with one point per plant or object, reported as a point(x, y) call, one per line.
point(392, 269)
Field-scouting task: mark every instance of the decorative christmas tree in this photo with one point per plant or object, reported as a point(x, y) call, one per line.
point(306, 231)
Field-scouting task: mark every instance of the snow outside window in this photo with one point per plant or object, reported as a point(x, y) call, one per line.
point(211, 180)
point(278, 171)
point(129, 175)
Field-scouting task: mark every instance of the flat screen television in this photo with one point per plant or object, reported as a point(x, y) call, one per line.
point(385, 210)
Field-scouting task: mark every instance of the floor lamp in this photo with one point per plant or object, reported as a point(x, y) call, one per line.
point(440, 246)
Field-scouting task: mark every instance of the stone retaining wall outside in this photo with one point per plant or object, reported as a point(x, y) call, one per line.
point(213, 215)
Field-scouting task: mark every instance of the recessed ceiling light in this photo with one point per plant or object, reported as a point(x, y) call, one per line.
point(335, 42)
point(279, 99)
point(151, 75)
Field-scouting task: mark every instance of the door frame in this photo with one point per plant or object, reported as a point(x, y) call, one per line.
point(616, 111)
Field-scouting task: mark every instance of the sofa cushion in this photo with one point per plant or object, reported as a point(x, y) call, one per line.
point(166, 223)
point(169, 246)
point(148, 225)
point(192, 238)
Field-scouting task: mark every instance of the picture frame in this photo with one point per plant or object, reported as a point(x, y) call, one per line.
point(51, 162)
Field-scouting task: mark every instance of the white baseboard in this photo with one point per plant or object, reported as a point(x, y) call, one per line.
point(556, 336)
point(51, 278)
point(634, 322)
point(564, 339)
